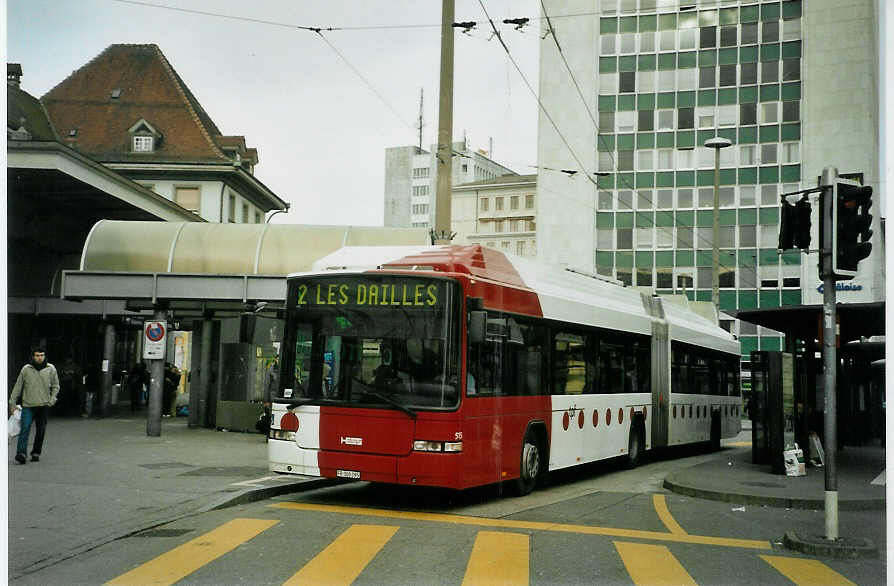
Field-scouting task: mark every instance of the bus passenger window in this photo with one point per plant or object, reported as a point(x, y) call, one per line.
point(524, 359)
point(611, 368)
point(570, 372)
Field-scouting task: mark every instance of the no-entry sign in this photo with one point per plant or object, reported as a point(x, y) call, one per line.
point(154, 338)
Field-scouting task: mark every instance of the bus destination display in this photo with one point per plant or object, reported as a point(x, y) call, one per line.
point(351, 291)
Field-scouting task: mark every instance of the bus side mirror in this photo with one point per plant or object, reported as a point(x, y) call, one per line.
point(477, 326)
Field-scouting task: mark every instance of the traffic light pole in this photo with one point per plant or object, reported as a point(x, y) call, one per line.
point(830, 358)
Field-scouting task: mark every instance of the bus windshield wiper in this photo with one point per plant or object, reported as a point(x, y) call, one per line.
point(392, 402)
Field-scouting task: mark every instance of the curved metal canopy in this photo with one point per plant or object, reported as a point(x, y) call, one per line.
point(227, 249)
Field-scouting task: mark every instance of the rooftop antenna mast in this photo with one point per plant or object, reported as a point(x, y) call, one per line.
point(420, 123)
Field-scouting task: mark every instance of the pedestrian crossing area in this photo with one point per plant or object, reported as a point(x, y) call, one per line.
point(495, 557)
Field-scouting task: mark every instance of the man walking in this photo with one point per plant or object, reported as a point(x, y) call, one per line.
point(38, 385)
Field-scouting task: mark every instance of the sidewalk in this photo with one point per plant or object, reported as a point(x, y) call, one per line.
point(102, 479)
point(731, 477)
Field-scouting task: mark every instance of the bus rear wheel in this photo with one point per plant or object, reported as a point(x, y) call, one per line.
point(531, 461)
point(636, 444)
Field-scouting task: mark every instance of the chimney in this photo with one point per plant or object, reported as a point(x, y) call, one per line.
point(13, 74)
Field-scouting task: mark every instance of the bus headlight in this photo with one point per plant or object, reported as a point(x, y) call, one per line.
point(281, 434)
point(428, 446)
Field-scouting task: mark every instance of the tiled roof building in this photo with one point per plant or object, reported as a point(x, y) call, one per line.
point(129, 109)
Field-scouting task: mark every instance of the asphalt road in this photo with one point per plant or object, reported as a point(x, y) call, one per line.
point(599, 525)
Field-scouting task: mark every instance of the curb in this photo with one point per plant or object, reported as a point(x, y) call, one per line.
point(849, 548)
point(772, 501)
point(252, 495)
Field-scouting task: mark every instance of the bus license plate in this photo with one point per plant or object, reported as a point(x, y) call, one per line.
point(348, 474)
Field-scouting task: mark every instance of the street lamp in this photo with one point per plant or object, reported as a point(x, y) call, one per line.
point(716, 143)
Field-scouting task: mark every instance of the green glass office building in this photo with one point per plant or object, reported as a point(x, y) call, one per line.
point(661, 78)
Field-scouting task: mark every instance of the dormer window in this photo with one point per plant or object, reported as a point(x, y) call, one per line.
point(143, 144)
point(144, 137)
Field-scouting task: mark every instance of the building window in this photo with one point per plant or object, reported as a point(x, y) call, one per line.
point(727, 75)
point(499, 202)
point(420, 190)
point(770, 32)
point(625, 160)
point(232, 209)
point(188, 198)
point(529, 202)
point(686, 118)
point(513, 202)
point(420, 172)
point(791, 111)
point(498, 226)
point(706, 77)
point(729, 36)
point(624, 120)
point(769, 71)
point(485, 203)
point(625, 238)
point(749, 33)
point(245, 213)
point(747, 114)
point(646, 120)
point(627, 82)
point(143, 144)
point(520, 248)
point(258, 218)
point(748, 73)
point(604, 200)
point(605, 239)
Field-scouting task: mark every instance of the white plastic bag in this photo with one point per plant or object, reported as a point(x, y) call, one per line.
point(794, 461)
point(14, 425)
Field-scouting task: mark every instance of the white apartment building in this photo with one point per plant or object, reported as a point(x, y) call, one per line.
point(499, 213)
point(411, 180)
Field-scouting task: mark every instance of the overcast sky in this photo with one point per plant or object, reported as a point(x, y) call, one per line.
point(321, 132)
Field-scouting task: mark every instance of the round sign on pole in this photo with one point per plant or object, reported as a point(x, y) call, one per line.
point(154, 338)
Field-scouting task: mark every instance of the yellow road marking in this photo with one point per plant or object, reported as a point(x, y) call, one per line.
point(533, 525)
point(343, 560)
point(499, 558)
point(665, 515)
point(184, 560)
point(805, 571)
point(738, 444)
point(652, 564)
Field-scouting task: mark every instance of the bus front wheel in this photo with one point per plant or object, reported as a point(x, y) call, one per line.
point(530, 464)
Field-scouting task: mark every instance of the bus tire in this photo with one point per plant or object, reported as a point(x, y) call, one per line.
point(715, 431)
point(531, 464)
point(636, 444)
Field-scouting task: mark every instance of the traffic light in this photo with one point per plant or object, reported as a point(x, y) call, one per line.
point(794, 225)
point(850, 209)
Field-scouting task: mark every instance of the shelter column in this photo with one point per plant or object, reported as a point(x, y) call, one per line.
point(156, 384)
point(198, 401)
point(108, 360)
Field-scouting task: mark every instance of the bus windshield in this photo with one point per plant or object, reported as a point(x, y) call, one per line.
point(381, 341)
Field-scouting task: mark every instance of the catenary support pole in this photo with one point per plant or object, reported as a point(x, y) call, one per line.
point(830, 358)
point(156, 384)
point(441, 232)
point(108, 365)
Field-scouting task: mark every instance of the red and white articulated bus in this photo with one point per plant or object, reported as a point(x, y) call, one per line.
point(461, 366)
